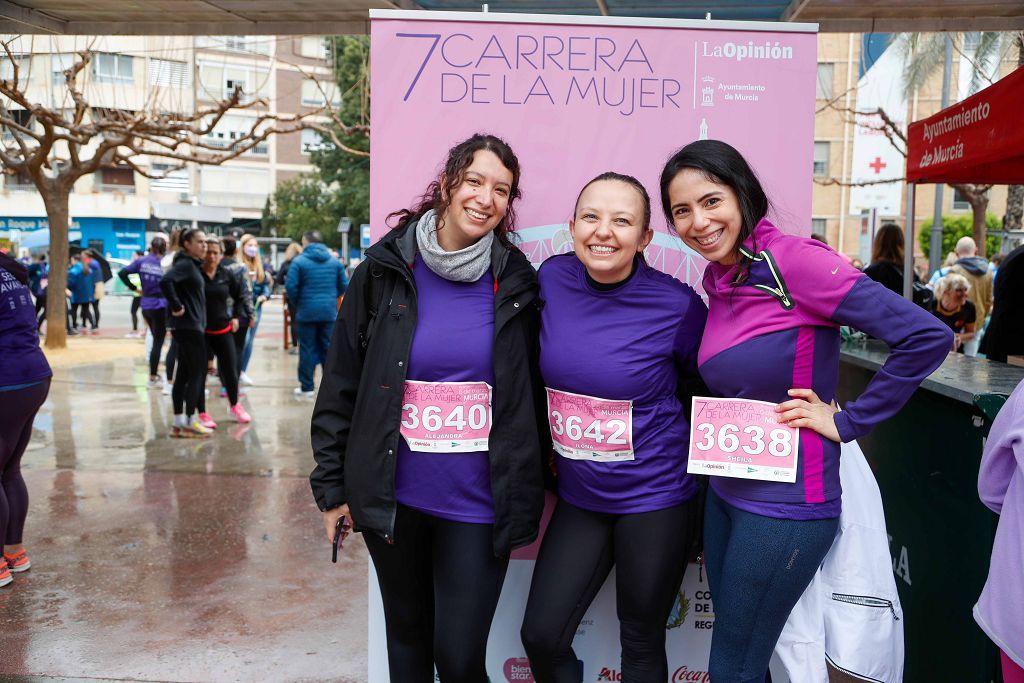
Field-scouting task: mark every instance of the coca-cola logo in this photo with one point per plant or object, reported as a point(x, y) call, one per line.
point(684, 674)
point(517, 670)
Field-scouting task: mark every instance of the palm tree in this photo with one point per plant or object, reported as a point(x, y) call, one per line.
point(924, 55)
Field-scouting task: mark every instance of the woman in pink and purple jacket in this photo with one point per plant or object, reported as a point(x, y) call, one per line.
point(775, 305)
point(1000, 609)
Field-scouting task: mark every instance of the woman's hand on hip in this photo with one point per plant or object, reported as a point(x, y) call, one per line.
point(808, 411)
point(331, 521)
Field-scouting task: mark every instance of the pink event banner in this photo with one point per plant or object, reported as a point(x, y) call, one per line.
point(575, 100)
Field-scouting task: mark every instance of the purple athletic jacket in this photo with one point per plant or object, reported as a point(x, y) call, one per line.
point(150, 273)
point(21, 359)
point(779, 329)
point(629, 343)
point(1000, 609)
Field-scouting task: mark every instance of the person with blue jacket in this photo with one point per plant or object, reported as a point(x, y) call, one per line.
point(315, 282)
point(82, 289)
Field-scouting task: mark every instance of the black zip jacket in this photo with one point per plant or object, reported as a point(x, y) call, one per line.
point(184, 285)
point(221, 290)
point(355, 426)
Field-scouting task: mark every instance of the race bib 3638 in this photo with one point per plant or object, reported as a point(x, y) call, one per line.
point(735, 437)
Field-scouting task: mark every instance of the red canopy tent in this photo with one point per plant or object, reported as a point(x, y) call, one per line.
point(978, 140)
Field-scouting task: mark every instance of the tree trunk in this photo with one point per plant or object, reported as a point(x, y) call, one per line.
point(979, 204)
point(55, 199)
point(1015, 193)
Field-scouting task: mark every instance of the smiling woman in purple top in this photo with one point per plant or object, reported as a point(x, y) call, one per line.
point(776, 303)
point(616, 336)
point(426, 430)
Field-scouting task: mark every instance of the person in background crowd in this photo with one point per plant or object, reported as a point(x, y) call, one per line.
point(184, 288)
point(293, 250)
point(887, 258)
point(953, 308)
point(442, 300)
point(170, 361)
point(993, 266)
point(942, 270)
point(98, 290)
point(242, 309)
point(261, 283)
point(315, 282)
point(775, 305)
point(82, 289)
point(24, 383)
point(857, 263)
point(136, 296)
point(149, 271)
point(1005, 334)
point(975, 269)
point(633, 510)
point(819, 238)
point(221, 289)
point(1000, 608)
point(38, 277)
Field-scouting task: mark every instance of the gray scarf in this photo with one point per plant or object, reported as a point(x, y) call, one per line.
point(464, 265)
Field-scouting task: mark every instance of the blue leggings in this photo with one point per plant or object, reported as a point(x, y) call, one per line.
point(758, 567)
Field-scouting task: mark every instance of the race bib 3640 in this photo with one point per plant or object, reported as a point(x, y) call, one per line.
point(446, 417)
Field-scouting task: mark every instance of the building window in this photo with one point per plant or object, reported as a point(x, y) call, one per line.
point(116, 179)
point(23, 117)
point(175, 180)
point(313, 142)
point(819, 226)
point(315, 93)
point(232, 129)
point(315, 47)
point(219, 81)
point(19, 181)
point(166, 73)
point(59, 63)
point(237, 186)
point(960, 202)
point(7, 68)
point(109, 68)
point(825, 76)
point(261, 45)
point(821, 150)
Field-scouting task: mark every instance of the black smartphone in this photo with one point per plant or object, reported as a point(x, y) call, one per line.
point(340, 531)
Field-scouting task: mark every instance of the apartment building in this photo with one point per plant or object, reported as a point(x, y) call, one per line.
point(113, 209)
point(841, 57)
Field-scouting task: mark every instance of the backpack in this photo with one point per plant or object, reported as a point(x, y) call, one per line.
point(922, 294)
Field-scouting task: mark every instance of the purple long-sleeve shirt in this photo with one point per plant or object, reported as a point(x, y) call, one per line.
point(1000, 609)
point(150, 273)
point(779, 329)
point(21, 360)
point(454, 342)
point(629, 343)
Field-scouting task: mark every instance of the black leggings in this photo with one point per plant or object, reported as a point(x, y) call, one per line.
point(136, 302)
point(649, 553)
point(157, 321)
point(440, 583)
point(86, 315)
point(239, 340)
point(15, 432)
point(95, 313)
point(222, 347)
point(188, 382)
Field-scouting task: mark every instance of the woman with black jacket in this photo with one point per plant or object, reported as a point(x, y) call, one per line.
point(222, 288)
point(185, 290)
point(428, 424)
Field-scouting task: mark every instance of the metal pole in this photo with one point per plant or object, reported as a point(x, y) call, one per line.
point(908, 246)
point(935, 255)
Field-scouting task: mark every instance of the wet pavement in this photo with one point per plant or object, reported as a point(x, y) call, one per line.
point(164, 559)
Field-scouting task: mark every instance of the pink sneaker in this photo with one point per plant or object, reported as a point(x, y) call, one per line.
point(207, 421)
point(241, 416)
